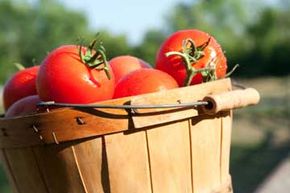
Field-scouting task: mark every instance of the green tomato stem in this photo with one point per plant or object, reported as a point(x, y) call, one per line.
point(190, 70)
point(95, 60)
point(190, 55)
point(232, 70)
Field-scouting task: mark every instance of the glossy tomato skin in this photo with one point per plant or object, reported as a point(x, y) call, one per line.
point(143, 81)
point(123, 65)
point(20, 85)
point(63, 77)
point(174, 64)
point(24, 106)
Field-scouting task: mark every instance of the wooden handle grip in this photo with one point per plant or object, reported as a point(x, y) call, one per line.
point(231, 100)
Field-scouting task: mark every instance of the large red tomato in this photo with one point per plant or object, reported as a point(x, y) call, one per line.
point(72, 76)
point(23, 106)
point(123, 65)
point(20, 85)
point(191, 57)
point(144, 80)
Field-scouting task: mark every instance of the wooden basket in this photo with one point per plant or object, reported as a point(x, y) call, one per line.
point(179, 150)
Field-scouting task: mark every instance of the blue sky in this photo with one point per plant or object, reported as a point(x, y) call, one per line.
point(130, 17)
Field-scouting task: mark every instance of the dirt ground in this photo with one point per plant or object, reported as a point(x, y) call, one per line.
point(271, 115)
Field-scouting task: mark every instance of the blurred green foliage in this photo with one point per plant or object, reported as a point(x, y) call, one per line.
point(29, 31)
point(252, 34)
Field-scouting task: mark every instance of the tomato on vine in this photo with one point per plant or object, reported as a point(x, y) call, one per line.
point(76, 74)
point(192, 57)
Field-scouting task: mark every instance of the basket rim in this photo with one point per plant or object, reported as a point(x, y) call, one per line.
point(44, 128)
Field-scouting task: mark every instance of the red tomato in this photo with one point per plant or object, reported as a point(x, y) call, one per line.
point(24, 106)
point(123, 65)
point(144, 80)
point(191, 57)
point(66, 76)
point(20, 85)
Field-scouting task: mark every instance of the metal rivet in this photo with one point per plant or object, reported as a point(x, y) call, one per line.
point(4, 132)
point(55, 138)
point(134, 111)
point(80, 121)
point(35, 128)
point(36, 131)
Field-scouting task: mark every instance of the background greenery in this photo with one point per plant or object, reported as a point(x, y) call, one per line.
point(253, 34)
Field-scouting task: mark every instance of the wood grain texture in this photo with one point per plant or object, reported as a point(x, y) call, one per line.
point(128, 163)
point(151, 117)
point(225, 187)
point(8, 171)
point(63, 123)
point(92, 165)
point(226, 126)
point(205, 147)
point(169, 149)
point(59, 169)
point(113, 151)
point(232, 100)
point(25, 170)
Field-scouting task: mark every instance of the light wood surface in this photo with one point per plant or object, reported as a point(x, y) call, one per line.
point(115, 151)
point(128, 166)
point(92, 165)
point(170, 159)
point(231, 100)
point(226, 131)
point(205, 148)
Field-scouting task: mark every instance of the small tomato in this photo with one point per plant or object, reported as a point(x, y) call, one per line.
point(24, 106)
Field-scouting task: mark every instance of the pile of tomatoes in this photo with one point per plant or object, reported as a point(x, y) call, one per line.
point(82, 74)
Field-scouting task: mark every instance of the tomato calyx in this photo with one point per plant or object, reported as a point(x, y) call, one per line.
point(191, 54)
point(95, 57)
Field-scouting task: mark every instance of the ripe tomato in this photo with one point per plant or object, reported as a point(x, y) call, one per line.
point(23, 106)
point(74, 74)
point(144, 80)
point(191, 57)
point(20, 85)
point(123, 65)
